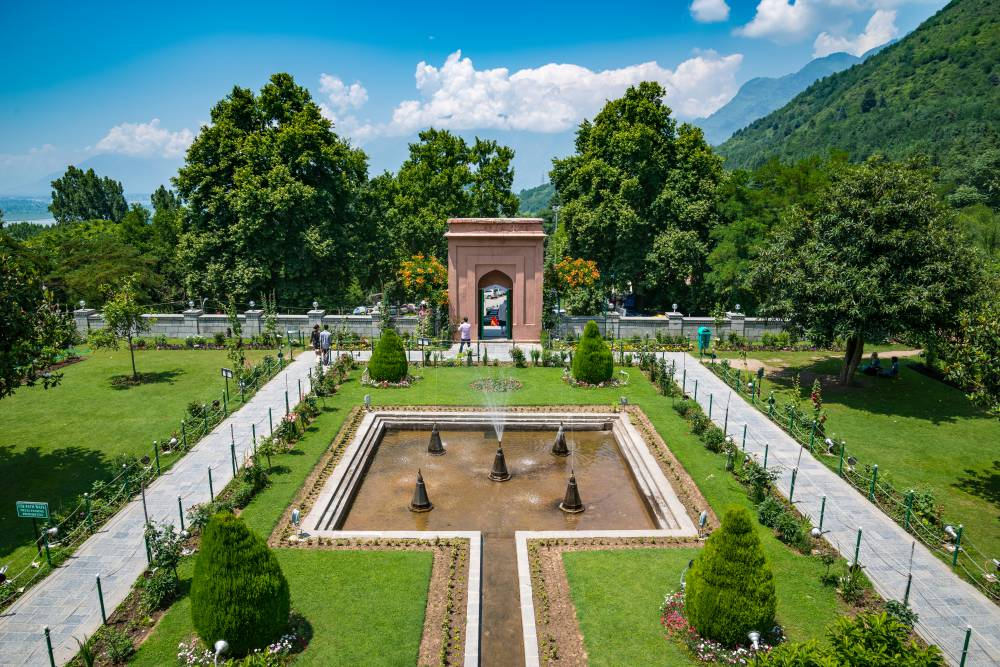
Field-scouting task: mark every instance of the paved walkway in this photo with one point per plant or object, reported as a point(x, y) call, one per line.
point(946, 604)
point(66, 601)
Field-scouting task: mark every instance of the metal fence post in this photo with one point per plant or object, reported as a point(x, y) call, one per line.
point(871, 487)
point(791, 490)
point(766, 448)
point(857, 549)
point(696, 389)
point(958, 546)
point(232, 454)
point(184, 434)
point(90, 517)
point(840, 466)
point(965, 647)
point(744, 437)
point(710, 396)
point(156, 455)
point(270, 421)
point(822, 511)
point(142, 491)
point(180, 511)
point(211, 491)
point(909, 510)
point(100, 598)
point(52, 658)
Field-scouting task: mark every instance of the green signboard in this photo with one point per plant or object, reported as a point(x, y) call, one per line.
point(30, 510)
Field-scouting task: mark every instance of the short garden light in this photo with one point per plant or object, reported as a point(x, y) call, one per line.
point(252, 304)
point(737, 308)
point(754, 638)
point(851, 462)
point(674, 306)
point(623, 400)
point(684, 573)
point(221, 647)
point(368, 401)
point(951, 532)
point(173, 442)
point(315, 305)
point(191, 304)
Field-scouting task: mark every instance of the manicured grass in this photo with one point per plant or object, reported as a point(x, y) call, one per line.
point(805, 606)
point(353, 600)
point(922, 433)
point(55, 443)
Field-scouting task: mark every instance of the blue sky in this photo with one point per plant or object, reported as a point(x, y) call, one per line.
point(125, 86)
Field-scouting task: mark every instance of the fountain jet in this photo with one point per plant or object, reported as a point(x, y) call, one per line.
point(420, 502)
point(572, 503)
point(559, 447)
point(435, 447)
point(499, 472)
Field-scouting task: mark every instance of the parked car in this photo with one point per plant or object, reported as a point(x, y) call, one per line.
point(360, 310)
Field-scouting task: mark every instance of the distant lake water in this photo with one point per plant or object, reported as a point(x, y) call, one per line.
point(36, 209)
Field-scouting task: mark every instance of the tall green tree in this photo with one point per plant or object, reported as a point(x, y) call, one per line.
point(270, 193)
point(32, 330)
point(83, 195)
point(123, 320)
point(443, 177)
point(881, 255)
point(638, 197)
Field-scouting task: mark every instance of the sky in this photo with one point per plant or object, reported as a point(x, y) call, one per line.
point(125, 87)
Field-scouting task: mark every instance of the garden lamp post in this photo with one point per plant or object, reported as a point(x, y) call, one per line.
point(754, 638)
point(221, 648)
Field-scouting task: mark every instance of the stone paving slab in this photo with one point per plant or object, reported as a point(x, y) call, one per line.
point(945, 603)
point(66, 601)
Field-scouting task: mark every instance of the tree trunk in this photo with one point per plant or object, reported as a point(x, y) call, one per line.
point(852, 357)
point(135, 374)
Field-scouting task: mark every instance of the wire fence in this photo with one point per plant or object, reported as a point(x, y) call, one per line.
point(67, 530)
point(916, 512)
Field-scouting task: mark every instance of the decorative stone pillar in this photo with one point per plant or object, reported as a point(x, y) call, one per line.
point(192, 327)
point(675, 323)
point(316, 316)
point(254, 326)
point(81, 316)
point(737, 323)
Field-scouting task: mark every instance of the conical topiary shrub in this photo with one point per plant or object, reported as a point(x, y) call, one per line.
point(388, 362)
point(239, 592)
point(592, 362)
point(730, 587)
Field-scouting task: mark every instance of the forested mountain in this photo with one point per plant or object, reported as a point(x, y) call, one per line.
point(935, 92)
point(536, 199)
point(762, 95)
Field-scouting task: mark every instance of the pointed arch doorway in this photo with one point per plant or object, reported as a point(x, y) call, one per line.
point(496, 305)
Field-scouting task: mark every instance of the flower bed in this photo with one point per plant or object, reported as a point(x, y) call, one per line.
point(620, 381)
point(385, 384)
point(678, 629)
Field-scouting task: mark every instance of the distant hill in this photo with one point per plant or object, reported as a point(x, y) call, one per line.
point(935, 92)
point(534, 200)
point(759, 97)
point(136, 174)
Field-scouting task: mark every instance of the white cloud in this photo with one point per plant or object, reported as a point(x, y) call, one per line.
point(709, 11)
point(553, 97)
point(881, 28)
point(341, 96)
point(781, 20)
point(145, 140)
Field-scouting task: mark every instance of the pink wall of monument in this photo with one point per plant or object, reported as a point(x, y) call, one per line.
point(511, 246)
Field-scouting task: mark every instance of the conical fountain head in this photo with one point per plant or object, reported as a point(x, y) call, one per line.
point(559, 447)
point(420, 502)
point(435, 447)
point(499, 473)
point(572, 503)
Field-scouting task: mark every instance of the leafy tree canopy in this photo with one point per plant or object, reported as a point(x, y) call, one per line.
point(271, 192)
point(638, 196)
point(880, 255)
point(83, 195)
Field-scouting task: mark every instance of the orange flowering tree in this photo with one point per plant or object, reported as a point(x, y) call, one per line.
point(425, 278)
point(574, 273)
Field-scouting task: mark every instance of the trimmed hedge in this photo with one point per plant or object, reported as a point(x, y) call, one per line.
point(592, 362)
point(730, 587)
point(238, 592)
point(388, 362)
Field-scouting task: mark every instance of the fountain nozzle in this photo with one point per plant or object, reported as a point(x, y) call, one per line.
point(572, 503)
point(420, 502)
point(499, 473)
point(435, 447)
point(559, 447)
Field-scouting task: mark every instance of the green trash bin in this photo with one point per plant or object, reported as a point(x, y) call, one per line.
point(704, 339)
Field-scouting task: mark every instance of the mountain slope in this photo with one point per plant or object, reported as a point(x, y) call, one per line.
point(536, 199)
point(759, 97)
point(935, 92)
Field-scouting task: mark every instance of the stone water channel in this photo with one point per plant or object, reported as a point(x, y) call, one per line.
point(465, 498)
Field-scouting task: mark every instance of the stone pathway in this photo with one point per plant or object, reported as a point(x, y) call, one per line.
point(66, 601)
point(945, 603)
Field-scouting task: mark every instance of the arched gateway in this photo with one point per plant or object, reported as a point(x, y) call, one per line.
point(495, 268)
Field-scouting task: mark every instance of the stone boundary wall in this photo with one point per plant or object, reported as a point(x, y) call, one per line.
point(675, 324)
point(195, 322)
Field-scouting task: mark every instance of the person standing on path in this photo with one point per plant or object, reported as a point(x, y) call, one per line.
point(465, 334)
point(314, 338)
point(324, 344)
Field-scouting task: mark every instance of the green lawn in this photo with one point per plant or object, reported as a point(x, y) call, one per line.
point(922, 433)
point(805, 606)
point(353, 600)
point(55, 442)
